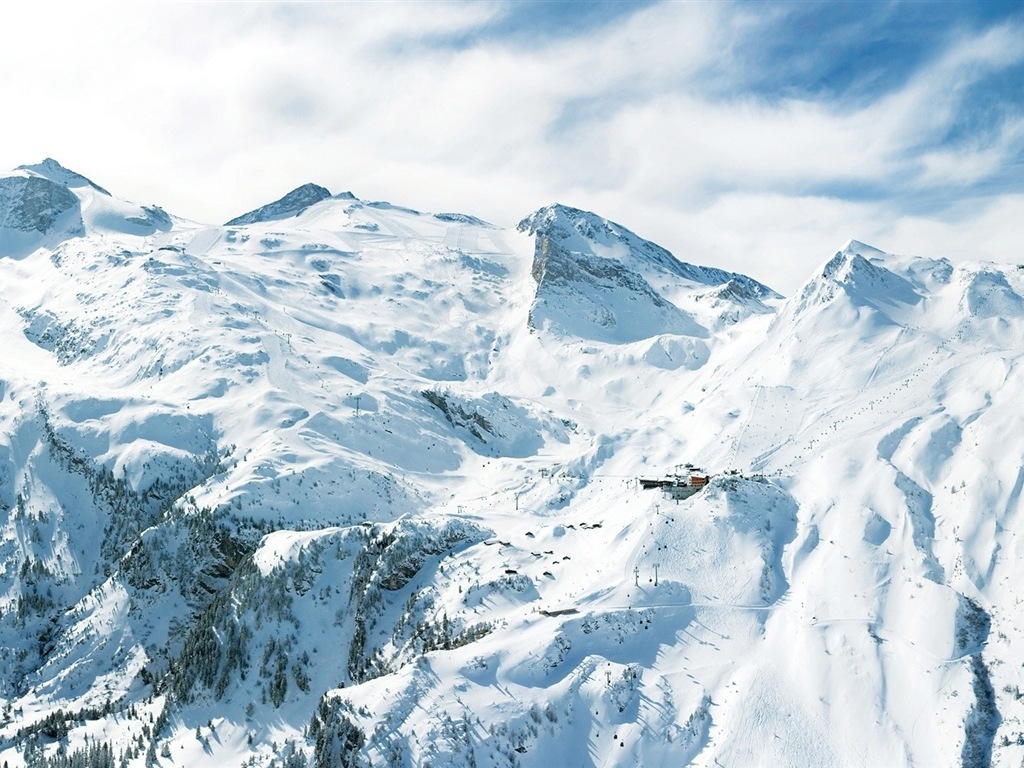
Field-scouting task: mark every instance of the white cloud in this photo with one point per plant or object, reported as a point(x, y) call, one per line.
point(989, 231)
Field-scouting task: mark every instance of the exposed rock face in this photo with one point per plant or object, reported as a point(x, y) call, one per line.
point(573, 291)
point(580, 230)
point(597, 280)
point(57, 173)
point(292, 204)
point(33, 203)
point(151, 216)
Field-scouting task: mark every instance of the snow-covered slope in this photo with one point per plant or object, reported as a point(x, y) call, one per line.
point(598, 280)
point(343, 483)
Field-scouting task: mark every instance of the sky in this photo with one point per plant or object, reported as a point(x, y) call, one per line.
point(754, 136)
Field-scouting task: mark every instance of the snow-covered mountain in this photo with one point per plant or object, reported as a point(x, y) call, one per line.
point(342, 483)
point(597, 280)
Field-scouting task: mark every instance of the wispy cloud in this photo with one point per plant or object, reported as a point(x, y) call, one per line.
point(756, 136)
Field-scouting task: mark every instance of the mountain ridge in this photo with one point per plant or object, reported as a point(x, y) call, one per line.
point(292, 204)
point(359, 485)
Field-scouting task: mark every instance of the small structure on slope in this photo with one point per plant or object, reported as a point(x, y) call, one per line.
point(678, 487)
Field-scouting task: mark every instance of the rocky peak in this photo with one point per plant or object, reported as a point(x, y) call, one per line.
point(292, 204)
point(55, 172)
point(33, 203)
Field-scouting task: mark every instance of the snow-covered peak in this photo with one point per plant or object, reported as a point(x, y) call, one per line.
point(988, 293)
point(292, 204)
point(593, 276)
point(579, 231)
point(856, 247)
point(43, 204)
point(738, 291)
point(54, 171)
point(863, 274)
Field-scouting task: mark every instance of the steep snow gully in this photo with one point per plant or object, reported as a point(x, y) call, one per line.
point(340, 483)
